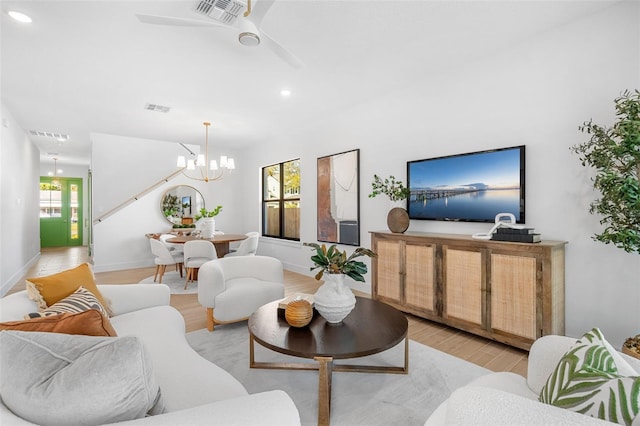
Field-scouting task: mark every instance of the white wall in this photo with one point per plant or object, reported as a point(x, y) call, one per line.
point(535, 94)
point(19, 191)
point(123, 167)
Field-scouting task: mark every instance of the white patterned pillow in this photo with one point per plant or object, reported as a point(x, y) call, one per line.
point(587, 380)
point(79, 301)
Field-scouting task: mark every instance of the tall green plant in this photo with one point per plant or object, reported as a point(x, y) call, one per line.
point(615, 155)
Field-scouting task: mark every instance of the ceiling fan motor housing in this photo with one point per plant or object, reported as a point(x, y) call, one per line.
point(249, 39)
point(249, 35)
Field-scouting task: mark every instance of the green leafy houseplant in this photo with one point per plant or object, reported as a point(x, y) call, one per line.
point(208, 213)
point(333, 261)
point(170, 205)
point(615, 155)
point(392, 188)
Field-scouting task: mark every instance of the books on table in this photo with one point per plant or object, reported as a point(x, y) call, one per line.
point(518, 235)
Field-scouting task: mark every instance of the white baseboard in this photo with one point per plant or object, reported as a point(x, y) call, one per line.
point(13, 280)
point(363, 287)
point(123, 265)
point(297, 268)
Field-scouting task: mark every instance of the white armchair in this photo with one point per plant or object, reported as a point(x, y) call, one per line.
point(235, 287)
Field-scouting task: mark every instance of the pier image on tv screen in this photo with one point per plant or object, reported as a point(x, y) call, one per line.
point(471, 187)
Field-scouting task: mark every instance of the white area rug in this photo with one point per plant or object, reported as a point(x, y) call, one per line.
point(357, 398)
point(175, 282)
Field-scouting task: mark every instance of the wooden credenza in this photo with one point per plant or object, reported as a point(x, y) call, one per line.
point(509, 292)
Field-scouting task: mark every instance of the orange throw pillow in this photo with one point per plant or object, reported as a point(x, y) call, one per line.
point(89, 323)
point(46, 291)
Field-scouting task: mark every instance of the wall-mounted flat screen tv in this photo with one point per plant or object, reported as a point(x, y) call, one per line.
point(472, 187)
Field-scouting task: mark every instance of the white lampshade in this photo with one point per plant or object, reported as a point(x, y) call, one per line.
point(215, 170)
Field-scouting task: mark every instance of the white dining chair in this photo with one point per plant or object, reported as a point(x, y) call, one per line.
point(247, 247)
point(164, 257)
point(173, 247)
point(196, 254)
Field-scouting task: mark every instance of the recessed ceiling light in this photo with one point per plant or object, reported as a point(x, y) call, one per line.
point(20, 17)
point(285, 93)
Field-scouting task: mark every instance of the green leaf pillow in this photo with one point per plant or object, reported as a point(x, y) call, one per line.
point(587, 380)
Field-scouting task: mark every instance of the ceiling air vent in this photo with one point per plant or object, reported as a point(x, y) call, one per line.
point(60, 137)
point(158, 108)
point(225, 11)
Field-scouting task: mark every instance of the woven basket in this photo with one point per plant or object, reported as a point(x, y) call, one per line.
point(298, 313)
point(629, 352)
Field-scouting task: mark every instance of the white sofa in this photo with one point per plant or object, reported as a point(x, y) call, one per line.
point(509, 399)
point(194, 390)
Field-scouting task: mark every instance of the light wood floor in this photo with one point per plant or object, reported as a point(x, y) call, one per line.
point(483, 352)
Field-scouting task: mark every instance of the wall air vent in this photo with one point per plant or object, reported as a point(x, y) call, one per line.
point(225, 11)
point(60, 137)
point(158, 108)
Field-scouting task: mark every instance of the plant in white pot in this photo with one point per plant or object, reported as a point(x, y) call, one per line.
point(206, 221)
point(397, 218)
point(334, 300)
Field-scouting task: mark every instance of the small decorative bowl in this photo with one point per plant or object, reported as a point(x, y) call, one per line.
point(298, 313)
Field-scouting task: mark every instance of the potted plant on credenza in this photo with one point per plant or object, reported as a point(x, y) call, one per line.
point(397, 217)
point(615, 155)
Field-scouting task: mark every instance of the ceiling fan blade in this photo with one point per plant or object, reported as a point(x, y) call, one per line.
point(285, 54)
point(179, 22)
point(259, 9)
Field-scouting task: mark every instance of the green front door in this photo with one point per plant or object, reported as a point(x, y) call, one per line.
point(60, 212)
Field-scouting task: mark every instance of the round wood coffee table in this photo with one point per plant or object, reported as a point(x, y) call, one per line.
point(372, 327)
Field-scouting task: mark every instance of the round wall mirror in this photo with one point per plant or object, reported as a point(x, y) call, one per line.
point(180, 204)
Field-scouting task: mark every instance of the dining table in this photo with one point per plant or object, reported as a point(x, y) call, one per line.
point(220, 241)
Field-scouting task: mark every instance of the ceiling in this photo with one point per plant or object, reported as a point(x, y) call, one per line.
point(92, 66)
